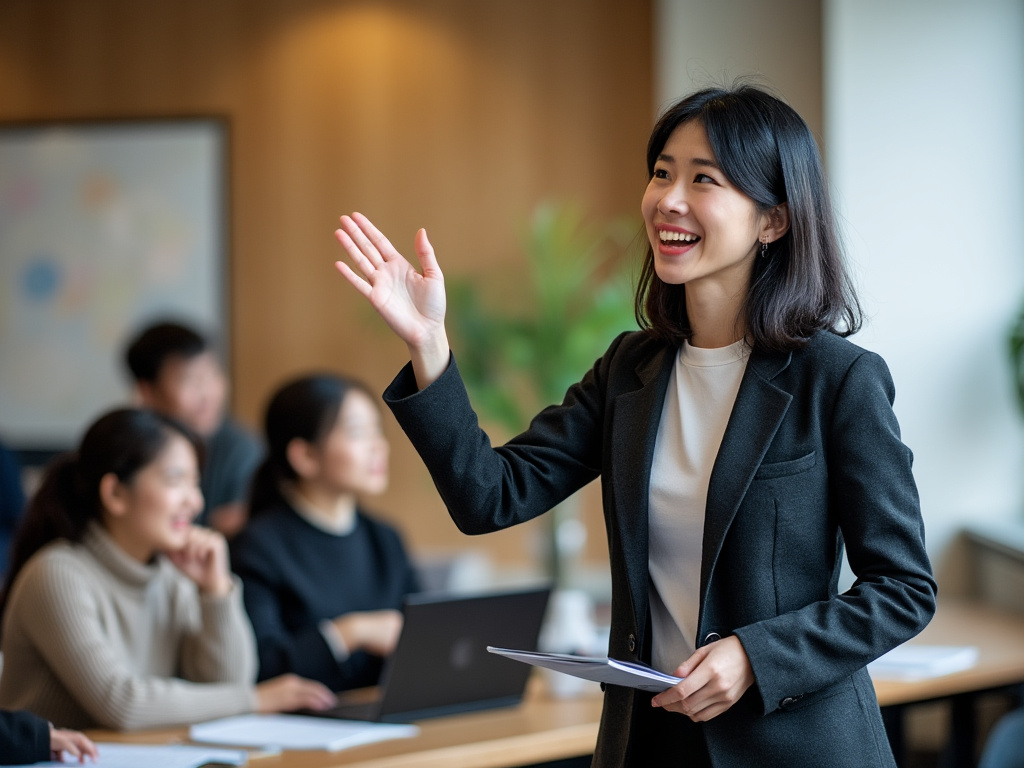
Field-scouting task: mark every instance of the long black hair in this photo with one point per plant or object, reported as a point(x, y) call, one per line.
point(121, 442)
point(306, 408)
point(766, 150)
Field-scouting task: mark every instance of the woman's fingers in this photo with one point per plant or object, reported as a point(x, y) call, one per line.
point(74, 743)
point(314, 695)
point(366, 266)
point(374, 237)
point(357, 232)
point(425, 253)
point(357, 282)
point(716, 676)
point(289, 692)
point(368, 240)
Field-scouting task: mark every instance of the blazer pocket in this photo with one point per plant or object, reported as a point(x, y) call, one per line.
point(784, 468)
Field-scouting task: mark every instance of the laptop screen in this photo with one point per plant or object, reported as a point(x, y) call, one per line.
point(441, 664)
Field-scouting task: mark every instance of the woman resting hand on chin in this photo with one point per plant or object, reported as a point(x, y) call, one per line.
point(118, 612)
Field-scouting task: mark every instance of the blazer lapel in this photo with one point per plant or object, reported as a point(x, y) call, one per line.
point(756, 416)
point(635, 427)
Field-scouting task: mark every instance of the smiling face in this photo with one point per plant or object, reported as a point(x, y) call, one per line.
point(703, 230)
point(154, 510)
point(353, 456)
point(190, 389)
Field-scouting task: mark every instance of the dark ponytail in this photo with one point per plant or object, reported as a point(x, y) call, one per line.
point(306, 408)
point(121, 443)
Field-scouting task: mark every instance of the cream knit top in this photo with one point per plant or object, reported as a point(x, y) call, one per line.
point(92, 638)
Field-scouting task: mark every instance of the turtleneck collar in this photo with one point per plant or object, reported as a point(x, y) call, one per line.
point(120, 563)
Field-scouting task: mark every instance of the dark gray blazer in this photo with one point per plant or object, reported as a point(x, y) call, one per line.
point(811, 459)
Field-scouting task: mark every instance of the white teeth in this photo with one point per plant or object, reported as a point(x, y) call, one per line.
point(685, 237)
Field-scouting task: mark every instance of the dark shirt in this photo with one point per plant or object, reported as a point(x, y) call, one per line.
point(12, 502)
point(24, 738)
point(295, 575)
point(232, 455)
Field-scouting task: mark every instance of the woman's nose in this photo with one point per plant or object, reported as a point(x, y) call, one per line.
point(674, 201)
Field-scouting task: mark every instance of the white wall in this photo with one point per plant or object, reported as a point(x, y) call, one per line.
point(924, 125)
point(700, 43)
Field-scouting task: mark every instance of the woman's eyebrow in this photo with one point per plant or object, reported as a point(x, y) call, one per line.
point(705, 163)
point(701, 161)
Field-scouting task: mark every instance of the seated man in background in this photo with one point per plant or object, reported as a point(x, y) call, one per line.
point(178, 374)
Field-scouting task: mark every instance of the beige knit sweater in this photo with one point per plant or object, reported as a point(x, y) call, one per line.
point(92, 638)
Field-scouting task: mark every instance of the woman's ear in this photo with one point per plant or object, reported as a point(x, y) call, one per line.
point(303, 457)
point(776, 222)
point(113, 495)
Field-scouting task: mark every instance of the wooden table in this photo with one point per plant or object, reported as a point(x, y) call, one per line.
point(543, 729)
point(999, 637)
point(538, 730)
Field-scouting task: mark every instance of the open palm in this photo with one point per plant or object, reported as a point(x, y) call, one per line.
point(410, 302)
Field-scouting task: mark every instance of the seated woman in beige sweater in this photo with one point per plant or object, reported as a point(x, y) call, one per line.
point(118, 612)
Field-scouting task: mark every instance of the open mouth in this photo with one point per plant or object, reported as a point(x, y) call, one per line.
point(677, 239)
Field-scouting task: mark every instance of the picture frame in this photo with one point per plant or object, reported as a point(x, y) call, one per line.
point(105, 226)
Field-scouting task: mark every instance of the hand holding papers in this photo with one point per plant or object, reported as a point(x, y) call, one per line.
point(295, 732)
point(598, 669)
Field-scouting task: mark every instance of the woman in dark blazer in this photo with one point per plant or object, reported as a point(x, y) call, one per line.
point(741, 441)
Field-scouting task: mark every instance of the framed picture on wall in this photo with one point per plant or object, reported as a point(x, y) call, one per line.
point(104, 226)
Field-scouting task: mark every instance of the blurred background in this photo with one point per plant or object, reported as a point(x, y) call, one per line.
point(461, 116)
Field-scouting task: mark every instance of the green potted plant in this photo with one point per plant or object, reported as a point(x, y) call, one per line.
point(1017, 357)
point(575, 296)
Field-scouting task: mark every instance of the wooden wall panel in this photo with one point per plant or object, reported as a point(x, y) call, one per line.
point(456, 115)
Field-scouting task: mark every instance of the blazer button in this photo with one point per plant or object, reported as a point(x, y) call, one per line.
point(789, 701)
point(712, 637)
point(631, 644)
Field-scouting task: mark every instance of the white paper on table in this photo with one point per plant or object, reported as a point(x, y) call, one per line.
point(296, 732)
point(596, 668)
point(155, 756)
point(912, 661)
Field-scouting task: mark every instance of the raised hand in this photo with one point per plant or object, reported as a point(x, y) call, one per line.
point(204, 559)
point(410, 302)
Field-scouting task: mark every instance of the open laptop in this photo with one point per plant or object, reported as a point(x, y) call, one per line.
point(441, 664)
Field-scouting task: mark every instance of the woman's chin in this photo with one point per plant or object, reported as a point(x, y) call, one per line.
point(176, 539)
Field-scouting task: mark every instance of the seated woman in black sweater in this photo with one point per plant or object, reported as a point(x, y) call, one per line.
point(323, 581)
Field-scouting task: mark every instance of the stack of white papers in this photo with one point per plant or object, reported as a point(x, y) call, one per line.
point(917, 662)
point(598, 669)
point(277, 732)
point(173, 756)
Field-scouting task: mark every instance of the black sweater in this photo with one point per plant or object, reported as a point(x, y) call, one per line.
point(296, 575)
point(24, 738)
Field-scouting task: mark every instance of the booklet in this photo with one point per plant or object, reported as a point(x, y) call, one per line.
point(171, 756)
point(296, 732)
point(912, 661)
point(599, 669)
